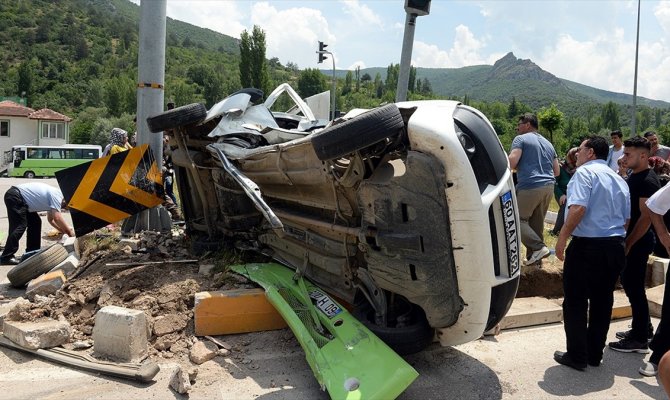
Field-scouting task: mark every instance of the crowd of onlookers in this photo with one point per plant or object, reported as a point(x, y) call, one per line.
point(609, 195)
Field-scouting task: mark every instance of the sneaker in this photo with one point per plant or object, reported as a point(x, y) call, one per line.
point(629, 346)
point(627, 334)
point(648, 369)
point(538, 255)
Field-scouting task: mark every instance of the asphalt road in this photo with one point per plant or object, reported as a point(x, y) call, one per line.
point(517, 364)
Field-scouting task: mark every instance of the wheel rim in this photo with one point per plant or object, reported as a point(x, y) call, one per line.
point(30, 174)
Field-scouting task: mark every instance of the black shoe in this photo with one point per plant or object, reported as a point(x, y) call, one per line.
point(595, 363)
point(629, 346)
point(564, 358)
point(9, 261)
point(627, 334)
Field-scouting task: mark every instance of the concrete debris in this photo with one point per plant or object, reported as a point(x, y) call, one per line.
point(120, 334)
point(179, 381)
point(68, 266)
point(41, 334)
point(192, 374)
point(202, 352)
point(46, 284)
point(133, 243)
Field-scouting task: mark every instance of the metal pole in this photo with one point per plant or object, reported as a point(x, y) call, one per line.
point(151, 79)
point(333, 97)
point(633, 131)
point(406, 58)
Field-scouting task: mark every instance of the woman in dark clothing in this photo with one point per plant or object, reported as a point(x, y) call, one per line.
point(561, 187)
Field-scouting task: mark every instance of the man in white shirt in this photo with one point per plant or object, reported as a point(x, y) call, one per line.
point(616, 150)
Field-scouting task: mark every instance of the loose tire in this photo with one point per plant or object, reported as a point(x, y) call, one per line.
point(180, 116)
point(358, 132)
point(409, 339)
point(37, 265)
point(29, 174)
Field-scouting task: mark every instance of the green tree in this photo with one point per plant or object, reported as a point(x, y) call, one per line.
point(513, 109)
point(392, 72)
point(348, 82)
point(426, 87)
point(310, 82)
point(253, 66)
point(411, 84)
point(25, 81)
point(610, 116)
point(551, 119)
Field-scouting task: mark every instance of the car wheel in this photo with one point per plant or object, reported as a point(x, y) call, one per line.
point(37, 265)
point(180, 116)
point(29, 174)
point(358, 132)
point(409, 337)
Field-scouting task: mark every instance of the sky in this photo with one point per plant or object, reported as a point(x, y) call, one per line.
point(586, 41)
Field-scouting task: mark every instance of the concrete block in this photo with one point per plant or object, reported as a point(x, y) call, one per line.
point(621, 307)
point(68, 266)
point(46, 284)
point(659, 268)
point(235, 311)
point(655, 300)
point(132, 242)
point(120, 334)
point(205, 269)
point(169, 323)
point(71, 244)
point(37, 334)
point(530, 311)
point(551, 217)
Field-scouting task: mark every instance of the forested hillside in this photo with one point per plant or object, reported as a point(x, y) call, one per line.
point(79, 57)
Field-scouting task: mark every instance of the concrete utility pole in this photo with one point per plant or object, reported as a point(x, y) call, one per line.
point(150, 91)
point(413, 8)
point(633, 129)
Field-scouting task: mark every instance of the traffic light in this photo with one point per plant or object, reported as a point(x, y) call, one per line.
point(418, 7)
point(322, 48)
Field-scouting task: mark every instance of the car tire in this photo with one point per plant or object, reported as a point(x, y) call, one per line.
point(37, 265)
point(29, 174)
point(180, 116)
point(358, 133)
point(405, 340)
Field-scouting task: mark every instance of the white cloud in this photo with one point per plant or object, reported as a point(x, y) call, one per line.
point(608, 62)
point(362, 14)
point(360, 64)
point(662, 13)
point(220, 16)
point(292, 34)
point(466, 50)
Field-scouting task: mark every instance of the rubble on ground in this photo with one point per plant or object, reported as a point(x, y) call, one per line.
point(165, 291)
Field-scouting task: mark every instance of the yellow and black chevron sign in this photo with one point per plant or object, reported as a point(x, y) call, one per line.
point(111, 188)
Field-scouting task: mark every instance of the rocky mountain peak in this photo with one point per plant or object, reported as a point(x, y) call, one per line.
point(511, 68)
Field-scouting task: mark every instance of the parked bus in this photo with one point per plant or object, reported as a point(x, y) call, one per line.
point(30, 161)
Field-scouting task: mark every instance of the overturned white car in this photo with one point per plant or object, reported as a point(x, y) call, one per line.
point(405, 211)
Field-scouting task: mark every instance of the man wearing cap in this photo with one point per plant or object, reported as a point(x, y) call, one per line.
point(23, 203)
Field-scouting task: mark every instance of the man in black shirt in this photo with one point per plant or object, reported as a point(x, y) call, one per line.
point(643, 183)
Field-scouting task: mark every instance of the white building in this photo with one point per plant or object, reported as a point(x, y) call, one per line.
point(24, 125)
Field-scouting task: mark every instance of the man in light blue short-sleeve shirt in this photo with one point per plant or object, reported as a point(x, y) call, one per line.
point(534, 159)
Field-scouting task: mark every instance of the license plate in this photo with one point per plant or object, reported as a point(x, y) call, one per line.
point(511, 232)
point(324, 303)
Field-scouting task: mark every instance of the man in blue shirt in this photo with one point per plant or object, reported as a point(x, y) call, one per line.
point(536, 163)
point(598, 212)
point(23, 203)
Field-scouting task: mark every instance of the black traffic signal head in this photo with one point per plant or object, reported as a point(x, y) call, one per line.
point(322, 48)
point(418, 7)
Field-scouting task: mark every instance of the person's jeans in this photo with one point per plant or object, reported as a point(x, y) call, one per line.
point(590, 271)
point(632, 280)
